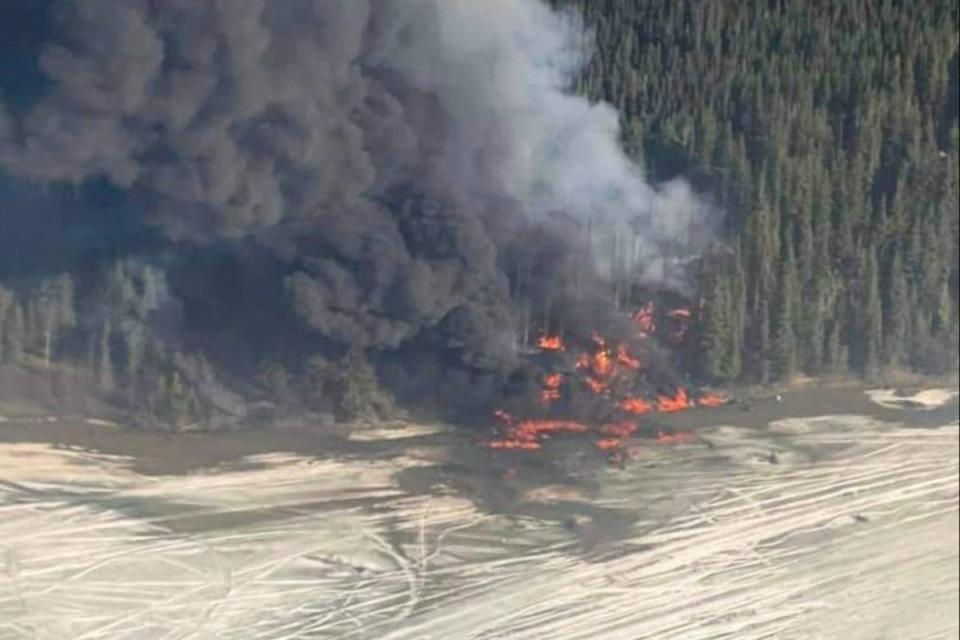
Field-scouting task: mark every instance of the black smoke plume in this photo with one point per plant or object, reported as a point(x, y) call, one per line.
point(410, 174)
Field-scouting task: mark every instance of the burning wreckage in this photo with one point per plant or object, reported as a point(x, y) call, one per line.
point(603, 388)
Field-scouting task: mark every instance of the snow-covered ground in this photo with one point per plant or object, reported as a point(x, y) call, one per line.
point(832, 527)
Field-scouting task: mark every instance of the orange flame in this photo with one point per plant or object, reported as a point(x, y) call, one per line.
point(539, 428)
point(551, 388)
point(602, 364)
point(636, 406)
point(528, 435)
point(550, 343)
point(681, 322)
point(643, 318)
point(616, 436)
point(552, 381)
point(711, 400)
point(624, 358)
point(606, 369)
point(618, 429)
point(609, 444)
point(596, 386)
point(680, 437)
point(548, 396)
point(513, 444)
point(678, 402)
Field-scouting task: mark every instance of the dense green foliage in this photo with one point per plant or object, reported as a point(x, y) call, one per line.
point(828, 134)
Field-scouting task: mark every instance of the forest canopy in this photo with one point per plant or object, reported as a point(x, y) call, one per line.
point(829, 134)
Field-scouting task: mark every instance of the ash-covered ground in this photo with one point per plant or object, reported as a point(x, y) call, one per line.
point(767, 525)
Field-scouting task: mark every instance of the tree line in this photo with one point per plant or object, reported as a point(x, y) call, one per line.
point(828, 133)
point(108, 330)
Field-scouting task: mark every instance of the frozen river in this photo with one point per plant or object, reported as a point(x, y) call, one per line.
point(840, 526)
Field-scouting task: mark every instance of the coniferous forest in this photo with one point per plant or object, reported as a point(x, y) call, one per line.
point(828, 134)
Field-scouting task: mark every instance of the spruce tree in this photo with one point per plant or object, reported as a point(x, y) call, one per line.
point(871, 319)
point(105, 373)
point(896, 312)
point(54, 312)
point(16, 334)
point(716, 330)
point(785, 342)
point(7, 301)
point(357, 386)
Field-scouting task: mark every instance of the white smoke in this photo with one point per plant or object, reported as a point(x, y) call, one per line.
point(503, 70)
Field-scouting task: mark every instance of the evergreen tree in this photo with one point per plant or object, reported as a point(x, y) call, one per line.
point(16, 334)
point(173, 401)
point(785, 343)
point(871, 320)
point(54, 312)
point(896, 313)
point(716, 330)
point(813, 330)
point(7, 301)
point(134, 337)
point(835, 358)
point(105, 372)
point(944, 309)
point(357, 386)
point(321, 378)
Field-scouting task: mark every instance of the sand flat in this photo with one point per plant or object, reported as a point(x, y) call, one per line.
point(927, 399)
point(850, 530)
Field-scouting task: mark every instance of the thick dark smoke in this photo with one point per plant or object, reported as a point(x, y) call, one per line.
point(391, 154)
